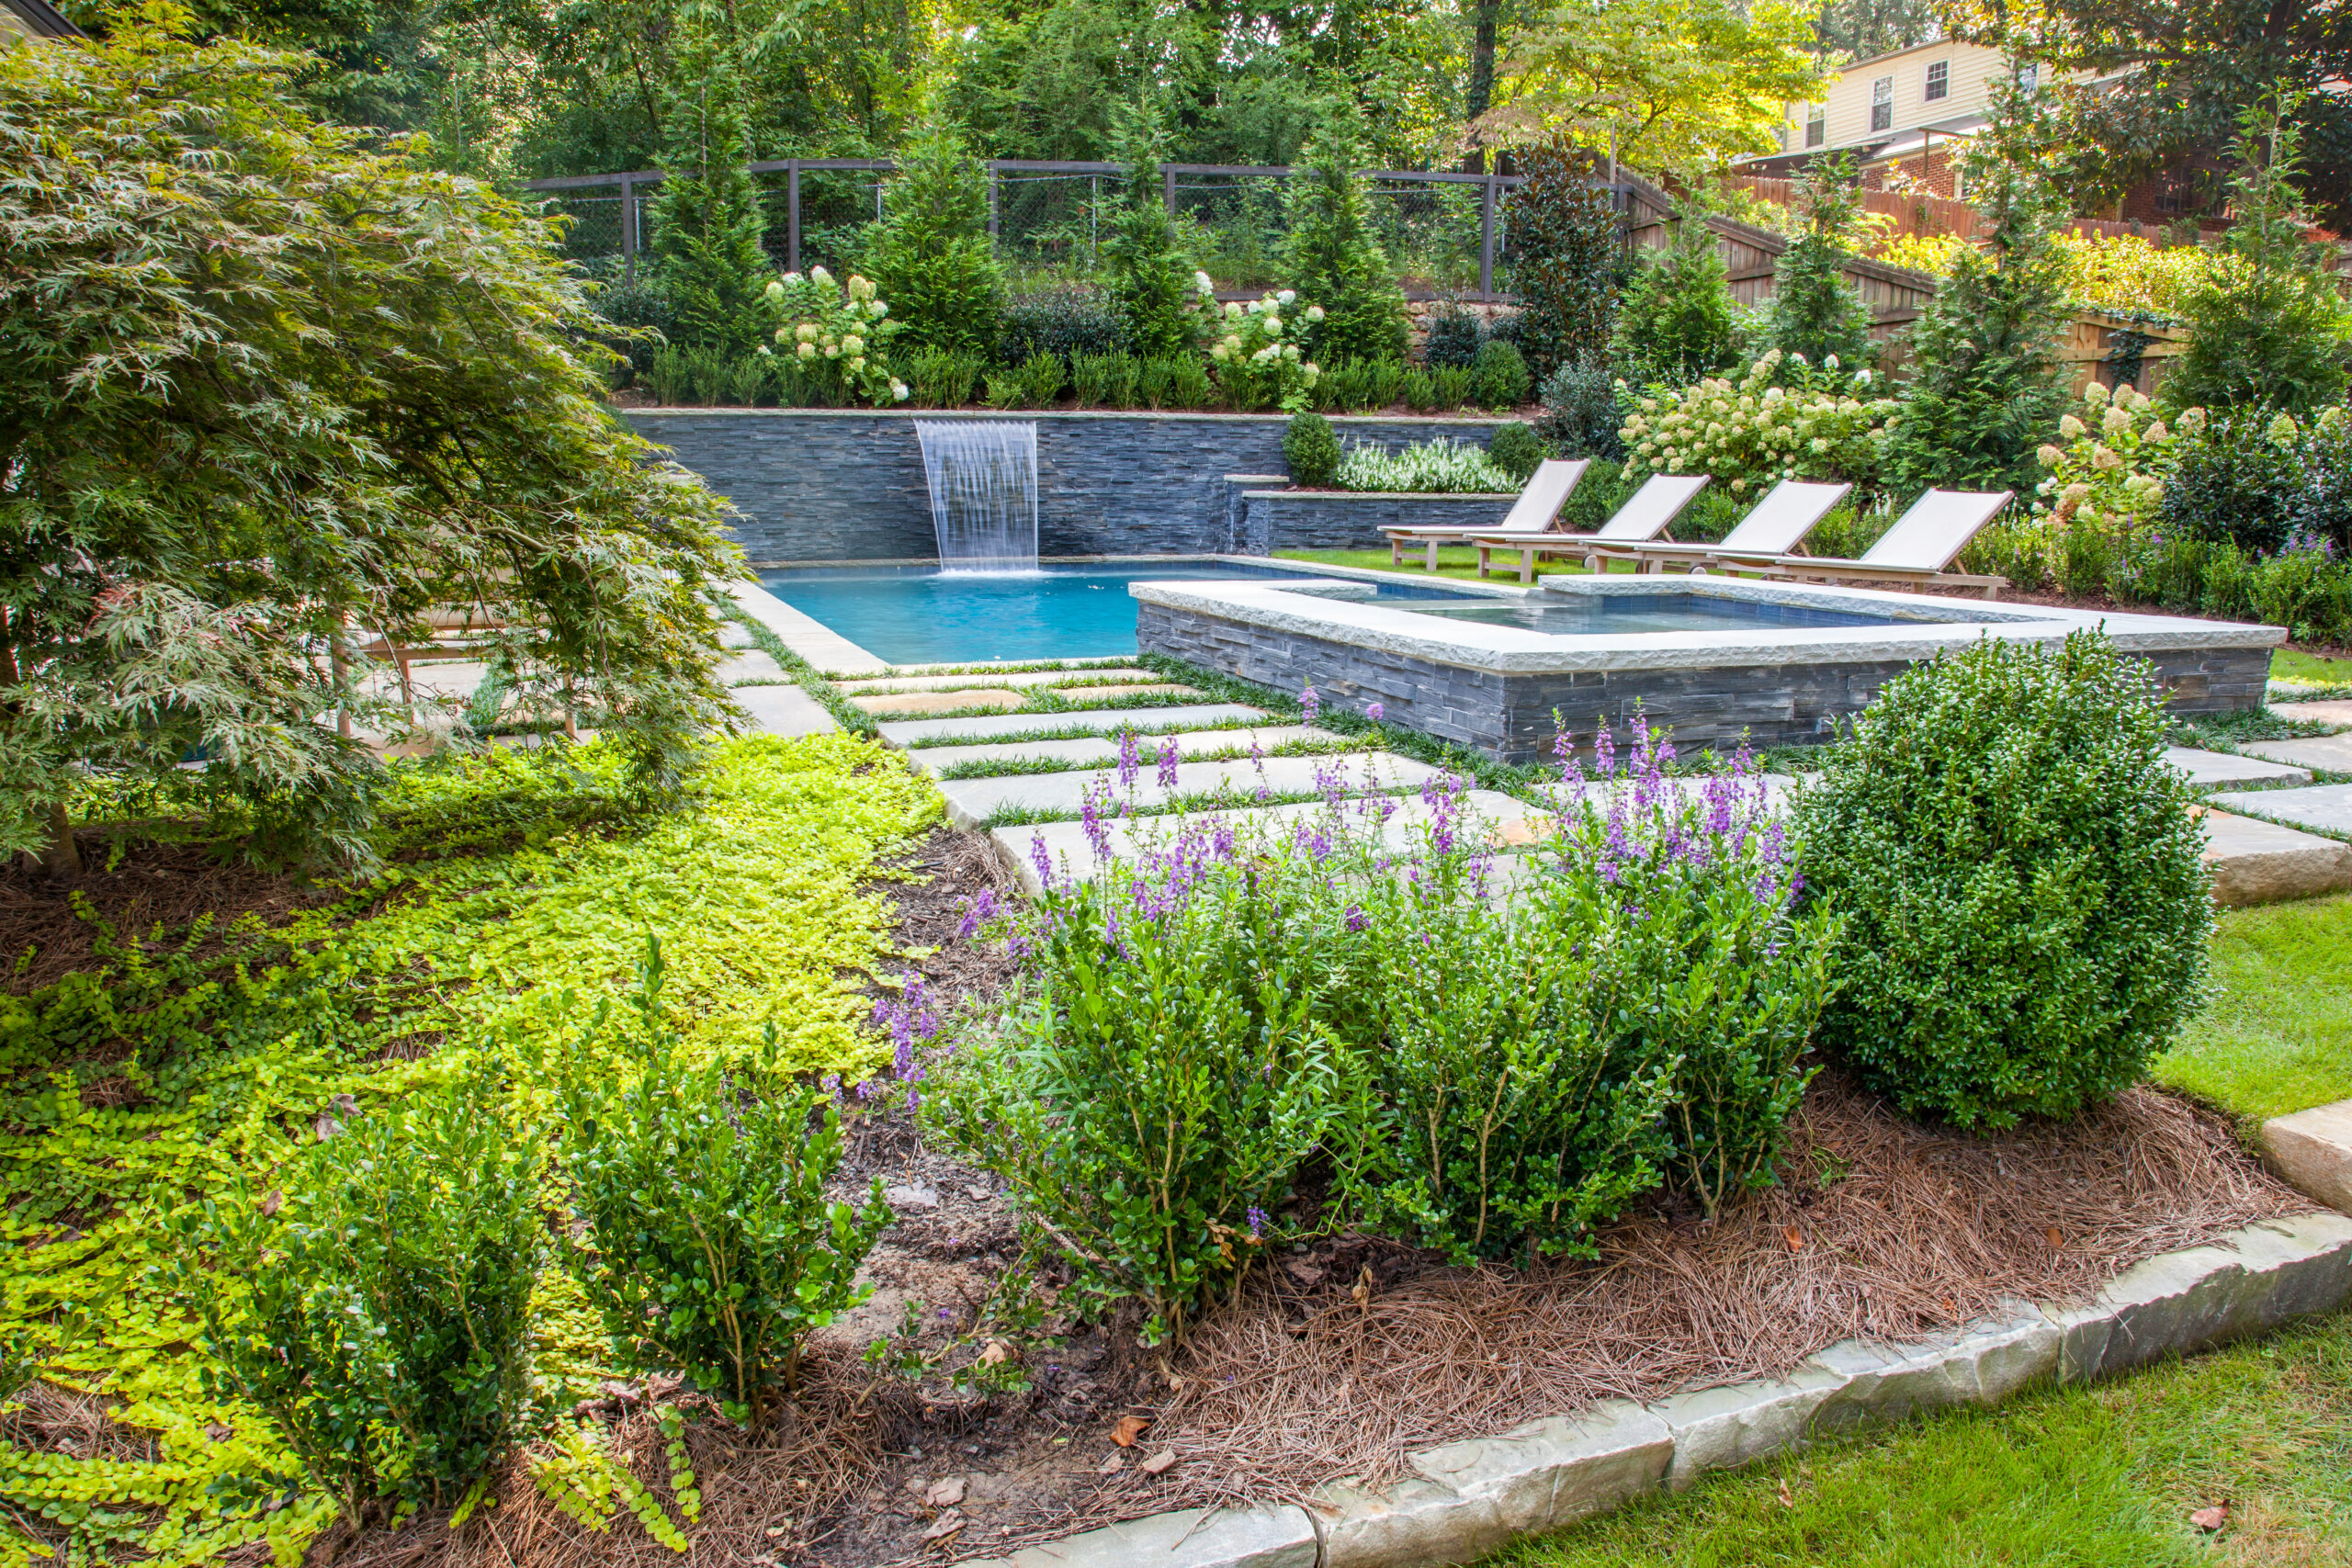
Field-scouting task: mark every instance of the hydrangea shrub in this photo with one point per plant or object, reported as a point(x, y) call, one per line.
point(838, 333)
point(1751, 433)
point(1255, 348)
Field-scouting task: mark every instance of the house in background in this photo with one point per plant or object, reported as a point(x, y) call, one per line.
point(1907, 116)
point(33, 19)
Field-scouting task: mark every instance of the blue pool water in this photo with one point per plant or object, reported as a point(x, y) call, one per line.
point(919, 615)
point(1584, 614)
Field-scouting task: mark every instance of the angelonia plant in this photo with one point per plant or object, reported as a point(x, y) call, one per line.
point(837, 333)
point(1255, 348)
point(1783, 419)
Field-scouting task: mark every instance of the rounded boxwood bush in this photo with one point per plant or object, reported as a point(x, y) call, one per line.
point(1500, 376)
point(1312, 450)
point(2027, 909)
point(1516, 450)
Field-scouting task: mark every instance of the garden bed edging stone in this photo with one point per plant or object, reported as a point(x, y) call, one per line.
point(1467, 1498)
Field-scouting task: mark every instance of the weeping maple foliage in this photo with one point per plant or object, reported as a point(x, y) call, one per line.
point(268, 394)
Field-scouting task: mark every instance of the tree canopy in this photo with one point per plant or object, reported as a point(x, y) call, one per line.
point(266, 394)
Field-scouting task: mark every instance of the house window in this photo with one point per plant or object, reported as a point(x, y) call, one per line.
point(1939, 80)
point(1882, 103)
point(1816, 125)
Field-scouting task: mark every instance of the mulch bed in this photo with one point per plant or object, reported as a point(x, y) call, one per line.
point(1882, 1228)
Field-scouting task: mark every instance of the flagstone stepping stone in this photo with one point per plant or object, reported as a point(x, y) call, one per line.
point(942, 702)
point(2219, 769)
point(2327, 808)
point(2331, 753)
point(1102, 751)
point(1510, 823)
point(783, 710)
point(751, 666)
point(971, 802)
point(1105, 694)
point(1016, 678)
point(2262, 862)
point(996, 727)
point(2334, 711)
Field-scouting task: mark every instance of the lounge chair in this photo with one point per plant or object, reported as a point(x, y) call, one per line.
point(1773, 528)
point(1645, 514)
point(1915, 552)
point(1537, 508)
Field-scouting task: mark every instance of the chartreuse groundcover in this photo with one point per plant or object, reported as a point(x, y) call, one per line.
point(519, 893)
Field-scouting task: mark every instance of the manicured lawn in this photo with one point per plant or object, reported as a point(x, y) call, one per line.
point(2278, 1036)
point(2106, 1475)
point(2292, 664)
point(1452, 561)
point(2103, 1476)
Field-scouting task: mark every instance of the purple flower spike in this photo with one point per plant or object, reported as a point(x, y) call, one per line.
point(1258, 1221)
point(1310, 702)
point(1356, 920)
point(1376, 712)
point(1042, 861)
point(1128, 761)
point(1168, 764)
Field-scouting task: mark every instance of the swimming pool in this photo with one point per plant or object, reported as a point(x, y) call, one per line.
point(923, 616)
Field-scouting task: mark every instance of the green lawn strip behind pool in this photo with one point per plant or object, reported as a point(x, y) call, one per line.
point(2293, 664)
point(1452, 561)
point(2100, 1476)
point(2278, 1036)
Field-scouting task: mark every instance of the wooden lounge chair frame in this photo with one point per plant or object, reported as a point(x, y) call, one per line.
point(1566, 473)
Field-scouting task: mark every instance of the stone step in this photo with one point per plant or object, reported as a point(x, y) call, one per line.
point(2313, 1149)
point(971, 802)
point(940, 701)
point(1107, 721)
point(2219, 769)
point(1014, 678)
point(751, 666)
point(2261, 862)
point(2326, 808)
point(2328, 753)
point(2334, 710)
point(1509, 823)
point(1102, 751)
point(783, 710)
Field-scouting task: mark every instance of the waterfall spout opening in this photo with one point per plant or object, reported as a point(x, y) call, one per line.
point(983, 479)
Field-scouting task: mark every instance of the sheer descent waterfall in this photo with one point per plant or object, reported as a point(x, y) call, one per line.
point(983, 479)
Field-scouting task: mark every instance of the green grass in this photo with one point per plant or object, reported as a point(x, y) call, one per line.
point(2278, 1036)
point(2103, 1476)
point(1453, 560)
point(2293, 664)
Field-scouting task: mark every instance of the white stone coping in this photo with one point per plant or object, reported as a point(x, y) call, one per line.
point(908, 412)
point(805, 634)
point(1928, 626)
point(1465, 1499)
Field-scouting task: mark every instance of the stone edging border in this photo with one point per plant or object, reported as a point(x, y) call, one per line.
point(1468, 1499)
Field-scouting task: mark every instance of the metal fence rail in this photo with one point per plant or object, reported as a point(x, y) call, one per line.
point(1446, 233)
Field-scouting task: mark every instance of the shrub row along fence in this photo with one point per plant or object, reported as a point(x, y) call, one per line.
point(1447, 234)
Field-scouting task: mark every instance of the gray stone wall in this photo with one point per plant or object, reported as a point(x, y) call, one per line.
point(1510, 717)
point(833, 485)
point(1331, 520)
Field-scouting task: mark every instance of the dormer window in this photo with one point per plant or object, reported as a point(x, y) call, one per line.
point(1939, 80)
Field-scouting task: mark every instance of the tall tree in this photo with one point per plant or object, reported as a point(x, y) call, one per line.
point(2277, 334)
point(1568, 242)
point(1814, 311)
point(705, 218)
point(1858, 30)
point(264, 391)
point(1658, 84)
point(930, 255)
point(1150, 280)
point(1334, 260)
point(2173, 77)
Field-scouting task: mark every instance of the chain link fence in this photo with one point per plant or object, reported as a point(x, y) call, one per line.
point(1445, 234)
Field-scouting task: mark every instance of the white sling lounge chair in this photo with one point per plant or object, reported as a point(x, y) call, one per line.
point(1645, 515)
point(1773, 528)
point(1538, 507)
point(1916, 551)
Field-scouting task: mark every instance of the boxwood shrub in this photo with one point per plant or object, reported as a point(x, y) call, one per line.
point(1312, 450)
point(2027, 909)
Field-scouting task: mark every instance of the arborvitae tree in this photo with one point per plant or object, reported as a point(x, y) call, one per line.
point(1674, 319)
point(1567, 239)
point(1150, 276)
point(706, 218)
point(2276, 335)
point(1334, 262)
point(930, 256)
point(1814, 311)
point(1984, 388)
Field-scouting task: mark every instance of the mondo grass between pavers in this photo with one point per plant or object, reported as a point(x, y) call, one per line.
point(2276, 1037)
point(2098, 1476)
point(1020, 767)
point(134, 1093)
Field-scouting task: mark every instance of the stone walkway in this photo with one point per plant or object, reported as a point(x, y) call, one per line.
point(2268, 844)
